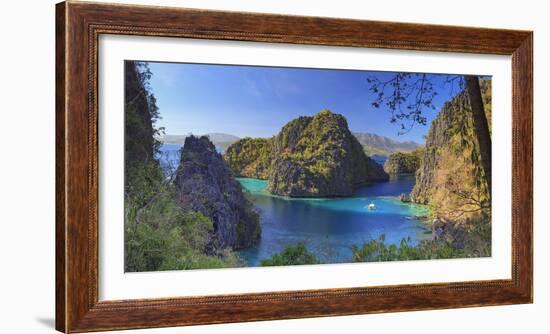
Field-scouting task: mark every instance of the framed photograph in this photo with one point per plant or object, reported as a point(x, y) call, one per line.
point(223, 167)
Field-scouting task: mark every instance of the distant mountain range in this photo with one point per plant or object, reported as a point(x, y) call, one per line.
point(373, 144)
point(376, 145)
point(222, 140)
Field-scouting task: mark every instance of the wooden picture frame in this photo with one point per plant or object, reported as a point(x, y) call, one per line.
point(78, 26)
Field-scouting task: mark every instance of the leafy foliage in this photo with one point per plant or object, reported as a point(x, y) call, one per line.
point(292, 255)
point(377, 250)
point(250, 157)
point(162, 236)
point(141, 114)
point(405, 95)
point(159, 235)
point(403, 163)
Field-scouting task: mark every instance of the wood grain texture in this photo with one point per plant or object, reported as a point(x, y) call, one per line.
point(78, 27)
point(60, 134)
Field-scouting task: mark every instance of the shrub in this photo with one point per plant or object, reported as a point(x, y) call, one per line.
point(292, 255)
point(161, 236)
point(377, 250)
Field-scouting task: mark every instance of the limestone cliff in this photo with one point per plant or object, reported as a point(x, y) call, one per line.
point(310, 157)
point(450, 177)
point(318, 156)
point(205, 184)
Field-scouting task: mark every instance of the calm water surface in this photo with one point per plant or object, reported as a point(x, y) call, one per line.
point(329, 227)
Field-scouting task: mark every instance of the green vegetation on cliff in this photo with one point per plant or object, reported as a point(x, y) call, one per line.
point(159, 233)
point(311, 156)
point(378, 250)
point(141, 114)
point(250, 157)
point(450, 178)
point(162, 236)
point(403, 163)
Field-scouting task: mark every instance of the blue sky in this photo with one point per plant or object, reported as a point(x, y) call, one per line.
point(257, 101)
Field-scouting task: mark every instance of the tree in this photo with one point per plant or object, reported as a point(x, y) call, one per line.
point(481, 127)
point(408, 95)
point(159, 234)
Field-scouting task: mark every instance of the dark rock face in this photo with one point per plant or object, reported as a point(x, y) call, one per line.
point(205, 184)
point(319, 157)
point(447, 231)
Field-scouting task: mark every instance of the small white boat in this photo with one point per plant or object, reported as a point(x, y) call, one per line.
point(372, 206)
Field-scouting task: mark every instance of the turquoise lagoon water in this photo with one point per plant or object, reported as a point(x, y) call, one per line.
point(330, 226)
